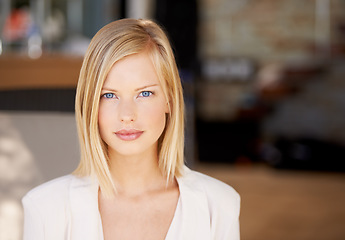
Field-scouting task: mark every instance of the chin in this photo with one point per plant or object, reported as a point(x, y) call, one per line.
point(131, 151)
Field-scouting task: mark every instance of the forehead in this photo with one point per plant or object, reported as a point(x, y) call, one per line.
point(133, 70)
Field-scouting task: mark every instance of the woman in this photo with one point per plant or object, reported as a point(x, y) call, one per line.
point(131, 182)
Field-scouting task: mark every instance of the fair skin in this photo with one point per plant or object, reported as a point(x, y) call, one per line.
point(132, 117)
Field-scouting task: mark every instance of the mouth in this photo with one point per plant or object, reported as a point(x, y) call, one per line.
point(129, 135)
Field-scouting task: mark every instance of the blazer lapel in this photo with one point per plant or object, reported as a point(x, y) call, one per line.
point(195, 211)
point(85, 218)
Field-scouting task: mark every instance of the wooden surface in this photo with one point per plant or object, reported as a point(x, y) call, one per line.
point(46, 72)
point(285, 204)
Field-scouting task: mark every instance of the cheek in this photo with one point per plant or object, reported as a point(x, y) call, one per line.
point(155, 116)
point(104, 118)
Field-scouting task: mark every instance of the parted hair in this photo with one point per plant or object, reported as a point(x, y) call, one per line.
point(112, 43)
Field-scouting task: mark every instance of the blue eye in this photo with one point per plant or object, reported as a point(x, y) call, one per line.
point(109, 95)
point(145, 94)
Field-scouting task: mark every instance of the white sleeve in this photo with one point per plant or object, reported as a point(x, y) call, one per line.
point(33, 222)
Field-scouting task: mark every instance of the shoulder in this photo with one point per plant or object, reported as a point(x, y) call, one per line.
point(45, 204)
point(52, 189)
point(210, 185)
point(49, 207)
point(54, 192)
point(220, 196)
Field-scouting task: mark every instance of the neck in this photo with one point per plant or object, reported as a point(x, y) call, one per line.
point(136, 175)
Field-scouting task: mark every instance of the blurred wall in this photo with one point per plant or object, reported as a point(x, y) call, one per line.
point(34, 147)
point(268, 30)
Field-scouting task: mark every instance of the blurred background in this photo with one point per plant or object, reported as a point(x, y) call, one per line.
point(264, 84)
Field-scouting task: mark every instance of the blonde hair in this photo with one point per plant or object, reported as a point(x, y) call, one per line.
point(112, 43)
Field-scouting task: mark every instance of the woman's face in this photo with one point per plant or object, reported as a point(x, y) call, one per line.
point(132, 107)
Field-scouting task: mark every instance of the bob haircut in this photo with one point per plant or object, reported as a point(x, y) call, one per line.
point(112, 43)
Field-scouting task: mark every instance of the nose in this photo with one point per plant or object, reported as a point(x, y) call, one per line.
point(127, 111)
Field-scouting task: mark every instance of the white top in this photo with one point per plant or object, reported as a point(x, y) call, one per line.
point(66, 208)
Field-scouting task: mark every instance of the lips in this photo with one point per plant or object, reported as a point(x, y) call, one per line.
point(128, 135)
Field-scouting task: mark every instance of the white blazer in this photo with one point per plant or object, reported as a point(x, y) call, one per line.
point(66, 208)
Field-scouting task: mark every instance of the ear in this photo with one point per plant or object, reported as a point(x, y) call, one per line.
point(167, 107)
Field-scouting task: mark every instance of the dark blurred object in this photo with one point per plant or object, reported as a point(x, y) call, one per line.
point(228, 142)
point(55, 100)
point(180, 18)
point(305, 154)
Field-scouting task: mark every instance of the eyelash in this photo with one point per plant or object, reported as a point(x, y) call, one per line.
point(106, 95)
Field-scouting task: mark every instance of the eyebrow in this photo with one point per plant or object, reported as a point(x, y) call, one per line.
point(138, 89)
point(146, 86)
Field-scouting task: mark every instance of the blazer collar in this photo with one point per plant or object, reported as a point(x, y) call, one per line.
point(85, 217)
point(195, 211)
